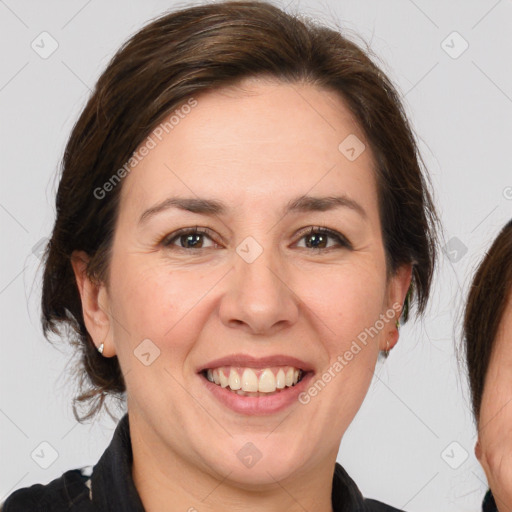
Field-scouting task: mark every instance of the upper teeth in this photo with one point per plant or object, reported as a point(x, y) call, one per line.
point(265, 380)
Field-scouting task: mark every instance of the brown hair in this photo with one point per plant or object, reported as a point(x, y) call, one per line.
point(188, 52)
point(488, 295)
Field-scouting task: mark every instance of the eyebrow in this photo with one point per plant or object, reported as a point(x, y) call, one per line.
point(214, 207)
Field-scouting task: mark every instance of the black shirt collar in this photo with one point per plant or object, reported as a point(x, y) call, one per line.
point(112, 485)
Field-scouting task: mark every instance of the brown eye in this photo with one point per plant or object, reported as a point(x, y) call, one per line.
point(318, 238)
point(188, 238)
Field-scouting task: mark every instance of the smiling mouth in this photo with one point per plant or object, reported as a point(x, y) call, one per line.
point(254, 382)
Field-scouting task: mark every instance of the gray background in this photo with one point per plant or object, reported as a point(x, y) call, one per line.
point(409, 443)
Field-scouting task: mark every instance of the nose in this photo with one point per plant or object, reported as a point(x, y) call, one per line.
point(260, 297)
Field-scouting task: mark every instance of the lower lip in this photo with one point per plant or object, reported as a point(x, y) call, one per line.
point(258, 405)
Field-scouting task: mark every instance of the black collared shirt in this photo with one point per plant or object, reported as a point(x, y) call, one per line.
point(109, 487)
point(489, 504)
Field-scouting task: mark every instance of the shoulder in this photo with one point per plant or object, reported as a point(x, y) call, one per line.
point(69, 492)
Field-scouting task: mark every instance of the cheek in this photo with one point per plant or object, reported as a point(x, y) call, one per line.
point(170, 307)
point(347, 299)
point(349, 309)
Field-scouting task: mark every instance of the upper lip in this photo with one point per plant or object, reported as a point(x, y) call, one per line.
point(245, 360)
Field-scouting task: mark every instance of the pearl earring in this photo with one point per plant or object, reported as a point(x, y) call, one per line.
point(100, 348)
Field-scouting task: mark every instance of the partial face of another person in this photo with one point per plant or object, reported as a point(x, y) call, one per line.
point(255, 281)
point(494, 449)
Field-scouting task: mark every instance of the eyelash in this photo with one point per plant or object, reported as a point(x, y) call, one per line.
point(314, 230)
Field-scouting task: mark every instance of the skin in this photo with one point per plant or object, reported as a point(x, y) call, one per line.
point(495, 424)
point(254, 149)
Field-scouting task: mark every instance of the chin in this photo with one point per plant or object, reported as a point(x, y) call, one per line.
point(264, 474)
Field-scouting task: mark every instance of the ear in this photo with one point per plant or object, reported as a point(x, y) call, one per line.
point(95, 304)
point(398, 286)
point(478, 451)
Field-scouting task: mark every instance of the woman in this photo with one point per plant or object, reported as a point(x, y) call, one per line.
point(241, 215)
point(487, 328)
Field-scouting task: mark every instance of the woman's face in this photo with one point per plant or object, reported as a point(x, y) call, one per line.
point(257, 285)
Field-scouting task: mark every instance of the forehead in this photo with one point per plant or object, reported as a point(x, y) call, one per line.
point(259, 141)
